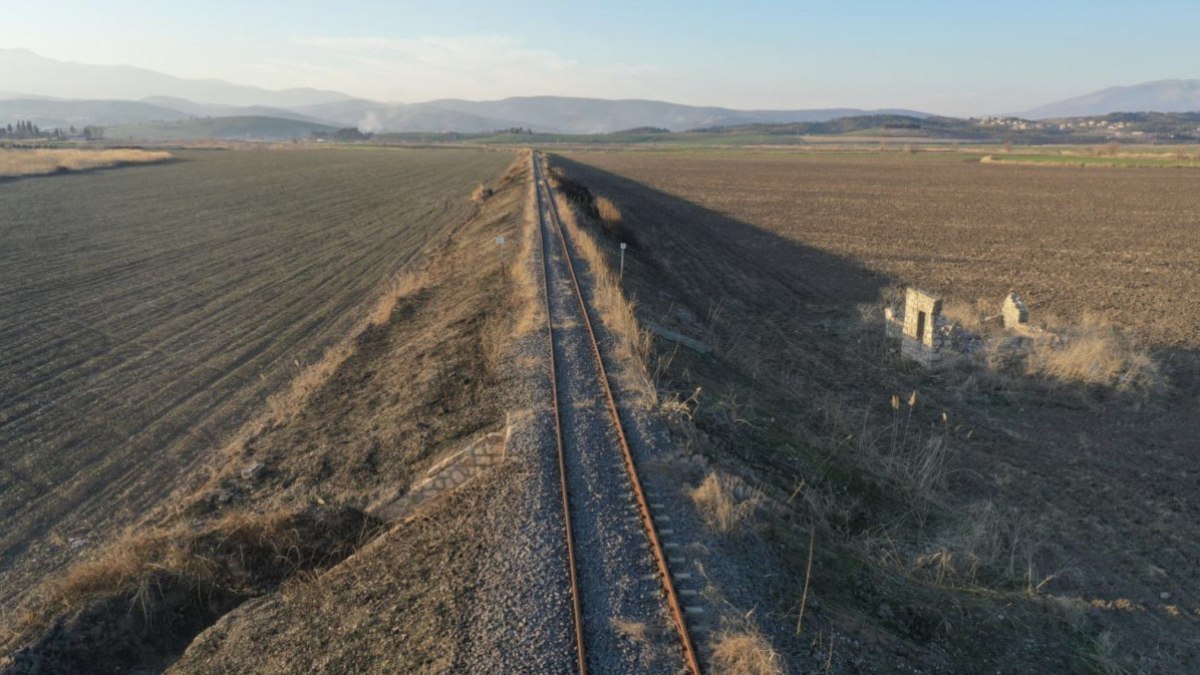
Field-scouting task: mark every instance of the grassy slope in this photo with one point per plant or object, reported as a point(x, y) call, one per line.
point(157, 303)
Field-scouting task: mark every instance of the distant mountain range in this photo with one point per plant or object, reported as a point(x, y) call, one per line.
point(1166, 96)
point(23, 71)
point(55, 93)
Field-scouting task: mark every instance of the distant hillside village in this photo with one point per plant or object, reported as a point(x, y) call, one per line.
point(1116, 128)
point(26, 130)
point(1136, 126)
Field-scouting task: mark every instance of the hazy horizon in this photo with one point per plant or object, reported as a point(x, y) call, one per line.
point(933, 56)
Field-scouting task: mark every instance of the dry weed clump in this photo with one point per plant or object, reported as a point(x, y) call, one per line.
point(20, 162)
point(986, 546)
point(745, 652)
point(1095, 353)
point(1092, 352)
point(607, 210)
point(909, 456)
point(122, 565)
point(481, 193)
point(725, 502)
point(635, 631)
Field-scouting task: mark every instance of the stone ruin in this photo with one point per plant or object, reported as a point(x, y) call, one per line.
point(925, 335)
point(919, 326)
point(1015, 316)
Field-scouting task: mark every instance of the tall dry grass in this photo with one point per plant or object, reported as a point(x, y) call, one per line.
point(634, 345)
point(1096, 353)
point(1091, 351)
point(20, 162)
point(725, 503)
point(525, 271)
point(240, 551)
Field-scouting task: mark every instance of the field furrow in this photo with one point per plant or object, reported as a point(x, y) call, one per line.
point(147, 311)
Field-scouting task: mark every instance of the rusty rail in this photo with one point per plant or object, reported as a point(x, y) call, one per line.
point(580, 649)
point(647, 518)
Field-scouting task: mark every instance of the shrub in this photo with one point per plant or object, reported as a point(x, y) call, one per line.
point(745, 653)
point(481, 193)
point(608, 211)
point(719, 503)
point(1096, 354)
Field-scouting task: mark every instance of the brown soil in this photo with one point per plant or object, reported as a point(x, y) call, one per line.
point(1119, 242)
point(1060, 533)
point(160, 305)
point(412, 390)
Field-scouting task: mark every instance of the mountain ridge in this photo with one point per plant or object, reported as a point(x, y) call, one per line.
point(24, 71)
point(62, 93)
point(1165, 96)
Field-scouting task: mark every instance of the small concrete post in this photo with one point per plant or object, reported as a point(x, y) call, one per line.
point(622, 274)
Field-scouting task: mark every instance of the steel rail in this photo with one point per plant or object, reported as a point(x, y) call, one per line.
point(656, 549)
point(580, 649)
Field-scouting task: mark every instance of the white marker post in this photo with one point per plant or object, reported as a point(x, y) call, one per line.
point(500, 251)
point(622, 274)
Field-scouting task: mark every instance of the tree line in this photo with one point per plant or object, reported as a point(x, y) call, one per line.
point(26, 129)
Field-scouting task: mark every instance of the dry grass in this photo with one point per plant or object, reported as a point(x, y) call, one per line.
point(1092, 352)
point(635, 631)
point(121, 565)
point(402, 285)
point(287, 403)
point(136, 556)
point(607, 210)
point(1105, 655)
point(719, 503)
point(525, 272)
point(634, 345)
point(744, 652)
point(976, 316)
point(19, 162)
point(904, 452)
point(284, 405)
point(1095, 353)
point(163, 574)
point(481, 193)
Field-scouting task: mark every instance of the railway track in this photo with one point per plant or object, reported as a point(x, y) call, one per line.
point(608, 566)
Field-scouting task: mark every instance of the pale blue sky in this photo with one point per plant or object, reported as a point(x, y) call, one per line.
point(958, 58)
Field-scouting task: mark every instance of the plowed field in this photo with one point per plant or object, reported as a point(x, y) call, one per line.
point(1121, 242)
point(145, 311)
